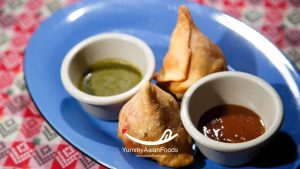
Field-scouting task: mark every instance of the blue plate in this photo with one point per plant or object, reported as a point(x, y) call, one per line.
point(153, 21)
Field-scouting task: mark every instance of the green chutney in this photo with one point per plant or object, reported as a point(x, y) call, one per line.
point(109, 77)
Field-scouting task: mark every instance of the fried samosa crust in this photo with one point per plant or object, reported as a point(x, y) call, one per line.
point(146, 116)
point(190, 57)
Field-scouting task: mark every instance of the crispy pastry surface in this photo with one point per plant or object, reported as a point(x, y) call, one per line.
point(190, 57)
point(146, 116)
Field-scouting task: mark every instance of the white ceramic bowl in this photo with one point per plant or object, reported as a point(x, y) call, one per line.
point(231, 88)
point(98, 47)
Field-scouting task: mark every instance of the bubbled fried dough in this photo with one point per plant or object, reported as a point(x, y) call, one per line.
point(190, 57)
point(146, 116)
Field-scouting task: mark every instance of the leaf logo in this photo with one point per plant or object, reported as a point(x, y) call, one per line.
point(166, 137)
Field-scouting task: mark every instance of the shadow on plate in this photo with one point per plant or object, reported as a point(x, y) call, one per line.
point(199, 161)
point(280, 151)
point(82, 123)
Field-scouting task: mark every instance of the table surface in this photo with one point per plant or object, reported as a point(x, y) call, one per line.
point(27, 141)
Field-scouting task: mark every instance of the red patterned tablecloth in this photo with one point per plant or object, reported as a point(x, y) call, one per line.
point(27, 141)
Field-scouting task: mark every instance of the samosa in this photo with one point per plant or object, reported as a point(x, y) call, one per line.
point(190, 57)
point(153, 116)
